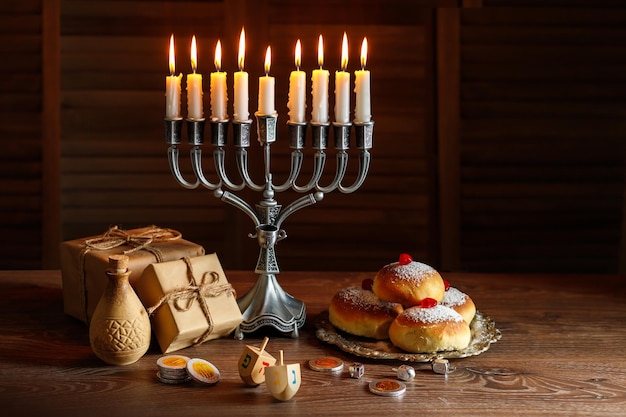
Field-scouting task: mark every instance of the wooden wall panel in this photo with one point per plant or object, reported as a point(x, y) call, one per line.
point(542, 138)
point(114, 168)
point(113, 157)
point(21, 135)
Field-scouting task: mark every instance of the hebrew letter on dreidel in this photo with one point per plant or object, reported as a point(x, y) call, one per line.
point(283, 381)
point(253, 362)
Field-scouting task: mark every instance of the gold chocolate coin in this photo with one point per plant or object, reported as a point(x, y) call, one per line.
point(203, 371)
point(173, 362)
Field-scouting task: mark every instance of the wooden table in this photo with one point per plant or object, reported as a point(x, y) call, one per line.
point(562, 352)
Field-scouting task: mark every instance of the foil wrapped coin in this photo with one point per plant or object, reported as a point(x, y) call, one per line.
point(326, 364)
point(387, 387)
point(203, 371)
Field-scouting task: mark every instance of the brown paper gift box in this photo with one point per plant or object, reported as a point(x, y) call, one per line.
point(191, 301)
point(84, 262)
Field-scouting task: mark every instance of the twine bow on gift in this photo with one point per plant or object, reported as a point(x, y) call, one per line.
point(115, 237)
point(183, 298)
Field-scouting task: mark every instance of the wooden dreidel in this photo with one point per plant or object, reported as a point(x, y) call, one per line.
point(252, 363)
point(283, 381)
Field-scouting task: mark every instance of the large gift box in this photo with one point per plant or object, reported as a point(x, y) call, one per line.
point(190, 301)
point(84, 262)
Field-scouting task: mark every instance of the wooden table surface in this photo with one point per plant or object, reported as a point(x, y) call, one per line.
point(562, 353)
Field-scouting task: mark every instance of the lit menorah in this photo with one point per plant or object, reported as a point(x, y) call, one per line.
point(266, 303)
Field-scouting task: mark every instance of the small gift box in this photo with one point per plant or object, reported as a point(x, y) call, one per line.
point(84, 262)
point(190, 301)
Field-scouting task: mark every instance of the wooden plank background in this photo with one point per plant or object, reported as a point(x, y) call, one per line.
point(498, 143)
point(21, 134)
point(542, 144)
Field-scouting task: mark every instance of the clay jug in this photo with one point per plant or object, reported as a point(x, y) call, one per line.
point(119, 331)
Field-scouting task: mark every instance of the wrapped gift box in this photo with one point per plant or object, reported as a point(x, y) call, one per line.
point(190, 301)
point(84, 262)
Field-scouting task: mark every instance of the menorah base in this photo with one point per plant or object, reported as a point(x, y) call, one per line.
point(267, 304)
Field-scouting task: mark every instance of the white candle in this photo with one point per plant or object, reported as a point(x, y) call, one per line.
point(319, 86)
point(342, 87)
point(241, 83)
point(172, 87)
point(266, 87)
point(362, 110)
point(218, 87)
point(194, 86)
point(297, 90)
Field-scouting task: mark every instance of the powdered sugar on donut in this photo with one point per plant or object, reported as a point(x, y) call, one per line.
point(359, 297)
point(414, 272)
point(437, 314)
point(453, 297)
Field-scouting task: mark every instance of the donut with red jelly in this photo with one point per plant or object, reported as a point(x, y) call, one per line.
point(408, 282)
point(431, 327)
point(459, 302)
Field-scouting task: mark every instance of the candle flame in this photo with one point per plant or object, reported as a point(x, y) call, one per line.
point(320, 51)
point(242, 49)
point(344, 52)
point(298, 54)
point(218, 56)
point(268, 60)
point(194, 54)
point(172, 56)
point(363, 53)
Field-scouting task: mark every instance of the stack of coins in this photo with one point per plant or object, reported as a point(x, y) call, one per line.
point(173, 369)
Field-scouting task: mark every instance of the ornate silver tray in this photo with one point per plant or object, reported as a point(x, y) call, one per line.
point(484, 333)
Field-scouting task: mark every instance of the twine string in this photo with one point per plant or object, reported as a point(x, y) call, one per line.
point(116, 237)
point(183, 298)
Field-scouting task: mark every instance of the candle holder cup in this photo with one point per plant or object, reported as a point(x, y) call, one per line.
point(266, 303)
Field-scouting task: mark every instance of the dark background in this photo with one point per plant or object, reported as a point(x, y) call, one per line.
point(499, 141)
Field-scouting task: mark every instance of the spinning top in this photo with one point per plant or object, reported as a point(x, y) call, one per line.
point(405, 372)
point(252, 363)
point(441, 366)
point(283, 381)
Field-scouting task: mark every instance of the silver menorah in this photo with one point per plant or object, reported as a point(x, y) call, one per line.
point(266, 303)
